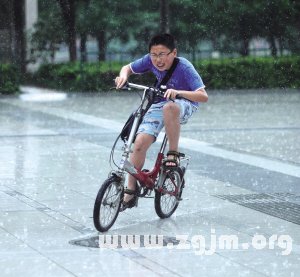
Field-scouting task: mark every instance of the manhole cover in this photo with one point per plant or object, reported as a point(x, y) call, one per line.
point(272, 204)
point(127, 241)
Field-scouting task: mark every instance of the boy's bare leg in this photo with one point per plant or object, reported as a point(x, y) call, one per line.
point(137, 158)
point(171, 113)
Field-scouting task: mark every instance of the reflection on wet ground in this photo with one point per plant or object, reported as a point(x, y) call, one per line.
point(243, 180)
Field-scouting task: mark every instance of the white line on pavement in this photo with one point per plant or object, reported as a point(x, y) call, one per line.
point(187, 143)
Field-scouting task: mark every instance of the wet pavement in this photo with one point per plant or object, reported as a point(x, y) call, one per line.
point(243, 182)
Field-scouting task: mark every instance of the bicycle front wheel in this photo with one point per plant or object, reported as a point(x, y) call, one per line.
point(107, 204)
point(166, 202)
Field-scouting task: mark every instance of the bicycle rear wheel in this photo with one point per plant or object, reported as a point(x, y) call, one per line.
point(165, 203)
point(107, 203)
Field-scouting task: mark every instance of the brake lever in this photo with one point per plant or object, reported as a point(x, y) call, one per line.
point(125, 87)
point(163, 89)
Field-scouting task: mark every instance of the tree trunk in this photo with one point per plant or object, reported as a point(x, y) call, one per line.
point(281, 46)
point(83, 53)
point(20, 45)
point(101, 45)
point(52, 52)
point(193, 48)
point(68, 11)
point(245, 47)
point(273, 46)
point(245, 36)
point(83, 35)
point(164, 16)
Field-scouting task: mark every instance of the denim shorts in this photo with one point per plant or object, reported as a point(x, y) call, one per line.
point(153, 120)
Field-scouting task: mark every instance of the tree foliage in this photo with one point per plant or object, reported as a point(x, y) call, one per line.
point(228, 24)
point(48, 31)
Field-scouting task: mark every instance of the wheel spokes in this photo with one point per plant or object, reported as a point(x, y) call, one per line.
point(110, 204)
point(169, 201)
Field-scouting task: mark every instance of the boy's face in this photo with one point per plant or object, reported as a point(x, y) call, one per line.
point(162, 57)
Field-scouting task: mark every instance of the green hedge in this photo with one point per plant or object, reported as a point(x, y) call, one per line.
point(237, 73)
point(80, 77)
point(9, 79)
point(244, 73)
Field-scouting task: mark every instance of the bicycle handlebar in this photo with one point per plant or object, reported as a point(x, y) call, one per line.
point(132, 85)
point(159, 92)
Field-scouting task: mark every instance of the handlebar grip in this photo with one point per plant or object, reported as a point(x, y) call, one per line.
point(160, 93)
point(126, 87)
point(163, 89)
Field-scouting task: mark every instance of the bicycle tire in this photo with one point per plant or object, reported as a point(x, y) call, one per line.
point(107, 204)
point(166, 204)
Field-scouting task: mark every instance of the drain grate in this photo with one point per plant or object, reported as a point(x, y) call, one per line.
point(272, 204)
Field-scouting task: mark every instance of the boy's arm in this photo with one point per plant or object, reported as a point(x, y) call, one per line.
point(191, 77)
point(199, 95)
point(125, 72)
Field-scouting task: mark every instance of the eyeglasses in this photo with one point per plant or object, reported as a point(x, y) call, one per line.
point(160, 55)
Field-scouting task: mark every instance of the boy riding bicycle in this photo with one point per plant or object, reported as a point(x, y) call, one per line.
point(184, 82)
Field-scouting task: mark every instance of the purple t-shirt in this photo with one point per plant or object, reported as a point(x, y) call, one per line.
point(184, 77)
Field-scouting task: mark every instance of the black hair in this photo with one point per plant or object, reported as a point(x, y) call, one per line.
point(163, 39)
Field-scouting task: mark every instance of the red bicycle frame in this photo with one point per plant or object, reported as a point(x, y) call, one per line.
point(147, 178)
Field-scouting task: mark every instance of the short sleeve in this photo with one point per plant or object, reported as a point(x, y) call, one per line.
point(193, 78)
point(141, 65)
